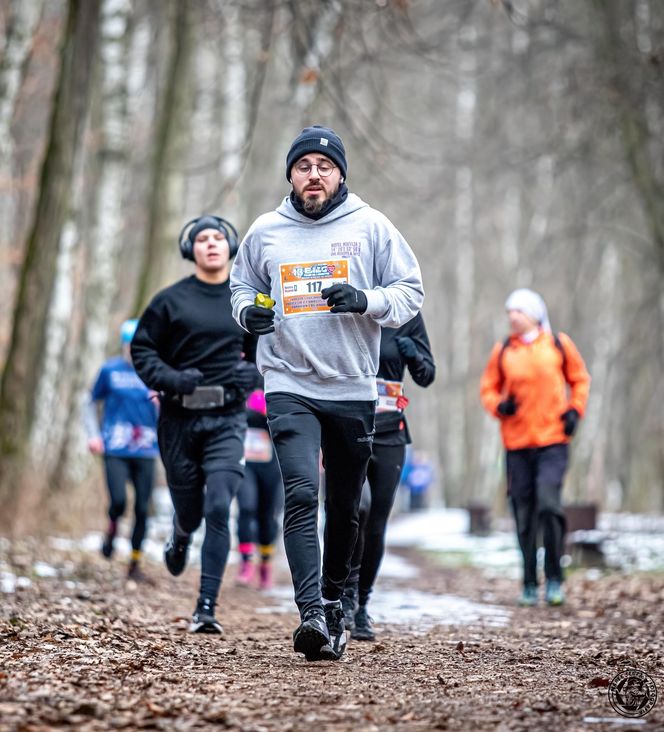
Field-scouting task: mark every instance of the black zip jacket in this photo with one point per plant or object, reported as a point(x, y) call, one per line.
point(190, 325)
point(391, 427)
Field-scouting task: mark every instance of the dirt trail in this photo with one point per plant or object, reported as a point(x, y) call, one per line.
point(89, 651)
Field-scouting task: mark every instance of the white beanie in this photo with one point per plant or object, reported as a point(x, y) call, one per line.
point(530, 303)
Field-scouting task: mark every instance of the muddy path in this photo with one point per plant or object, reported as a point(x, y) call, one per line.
point(87, 650)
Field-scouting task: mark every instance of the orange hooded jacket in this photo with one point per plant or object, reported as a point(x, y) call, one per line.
point(533, 374)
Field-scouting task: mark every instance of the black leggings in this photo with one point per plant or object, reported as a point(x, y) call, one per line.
point(300, 428)
point(140, 471)
point(383, 480)
point(535, 479)
point(260, 498)
point(203, 457)
point(213, 504)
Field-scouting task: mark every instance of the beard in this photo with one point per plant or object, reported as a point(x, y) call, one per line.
point(313, 205)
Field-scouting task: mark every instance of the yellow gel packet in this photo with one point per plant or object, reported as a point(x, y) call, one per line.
point(264, 301)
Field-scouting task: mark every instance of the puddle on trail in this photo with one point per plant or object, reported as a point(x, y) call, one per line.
point(418, 611)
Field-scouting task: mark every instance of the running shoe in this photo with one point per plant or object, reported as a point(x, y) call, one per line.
point(529, 596)
point(203, 620)
point(334, 617)
point(109, 539)
point(350, 604)
point(312, 637)
point(107, 546)
point(246, 573)
point(265, 581)
point(135, 572)
point(363, 626)
point(554, 594)
point(175, 553)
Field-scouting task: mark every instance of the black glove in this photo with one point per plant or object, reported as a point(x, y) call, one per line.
point(571, 420)
point(508, 407)
point(186, 381)
point(246, 376)
point(345, 299)
point(407, 347)
point(259, 321)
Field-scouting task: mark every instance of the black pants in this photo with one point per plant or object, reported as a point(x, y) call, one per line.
point(140, 471)
point(378, 495)
point(534, 483)
point(204, 461)
point(300, 427)
point(259, 499)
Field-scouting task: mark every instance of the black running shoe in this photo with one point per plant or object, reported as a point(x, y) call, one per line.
point(107, 545)
point(350, 604)
point(312, 637)
point(334, 616)
point(203, 620)
point(363, 626)
point(175, 554)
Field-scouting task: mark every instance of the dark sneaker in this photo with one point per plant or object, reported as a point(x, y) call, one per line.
point(175, 554)
point(528, 596)
point(107, 545)
point(350, 605)
point(334, 617)
point(363, 626)
point(135, 573)
point(312, 637)
point(203, 620)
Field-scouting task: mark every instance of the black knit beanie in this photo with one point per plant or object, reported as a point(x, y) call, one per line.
point(206, 222)
point(317, 139)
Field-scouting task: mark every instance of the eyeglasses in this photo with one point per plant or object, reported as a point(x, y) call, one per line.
point(324, 169)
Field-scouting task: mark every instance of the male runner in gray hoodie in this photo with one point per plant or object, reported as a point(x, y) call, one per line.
point(337, 271)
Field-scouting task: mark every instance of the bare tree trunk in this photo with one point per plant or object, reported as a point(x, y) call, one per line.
point(104, 245)
point(21, 373)
point(22, 20)
point(458, 458)
point(167, 194)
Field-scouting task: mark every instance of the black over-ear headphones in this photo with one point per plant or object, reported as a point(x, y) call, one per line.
point(187, 246)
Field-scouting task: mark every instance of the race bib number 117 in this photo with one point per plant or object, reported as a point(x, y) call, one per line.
point(303, 282)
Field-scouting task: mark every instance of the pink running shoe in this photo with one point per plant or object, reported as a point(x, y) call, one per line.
point(246, 573)
point(265, 581)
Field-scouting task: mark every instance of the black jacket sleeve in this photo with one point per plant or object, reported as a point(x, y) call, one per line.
point(422, 368)
point(249, 345)
point(147, 347)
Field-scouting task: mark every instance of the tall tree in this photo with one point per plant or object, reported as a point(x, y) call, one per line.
point(21, 373)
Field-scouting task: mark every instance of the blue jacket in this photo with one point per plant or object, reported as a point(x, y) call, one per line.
point(129, 423)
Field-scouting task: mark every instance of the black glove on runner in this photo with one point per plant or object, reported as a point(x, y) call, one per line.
point(245, 376)
point(259, 321)
point(186, 381)
point(571, 420)
point(345, 299)
point(407, 347)
point(508, 407)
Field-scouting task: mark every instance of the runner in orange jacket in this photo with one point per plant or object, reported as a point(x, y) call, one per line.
point(536, 384)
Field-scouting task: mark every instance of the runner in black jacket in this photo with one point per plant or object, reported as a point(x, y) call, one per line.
point(407, 346)
point(189, 348)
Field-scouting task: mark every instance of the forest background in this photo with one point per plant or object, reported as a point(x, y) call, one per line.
point(515, 143)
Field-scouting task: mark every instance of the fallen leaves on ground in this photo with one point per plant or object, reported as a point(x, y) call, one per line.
point(89, 651)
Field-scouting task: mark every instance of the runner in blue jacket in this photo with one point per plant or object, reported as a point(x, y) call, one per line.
point(127, 439)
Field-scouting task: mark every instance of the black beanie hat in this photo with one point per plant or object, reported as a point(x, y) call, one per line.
point(317, 139)
point(206, 222)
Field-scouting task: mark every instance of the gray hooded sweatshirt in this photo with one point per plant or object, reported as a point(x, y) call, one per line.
point(313, 352)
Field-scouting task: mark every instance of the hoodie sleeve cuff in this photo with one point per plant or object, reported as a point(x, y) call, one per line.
point(242, 312)
point(376, 303)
